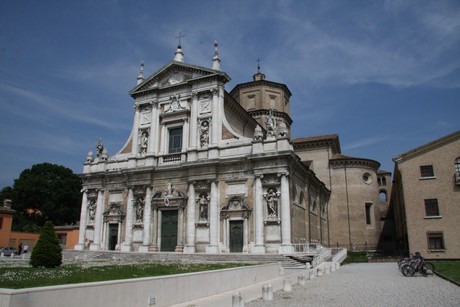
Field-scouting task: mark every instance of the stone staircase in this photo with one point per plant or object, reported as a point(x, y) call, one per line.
point(286, 261)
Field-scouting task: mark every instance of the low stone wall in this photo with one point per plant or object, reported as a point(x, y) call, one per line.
point(150, 291)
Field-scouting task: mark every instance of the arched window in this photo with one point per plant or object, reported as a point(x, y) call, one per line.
point(383, 196)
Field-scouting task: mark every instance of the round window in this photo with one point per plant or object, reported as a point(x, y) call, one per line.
point(367, 178)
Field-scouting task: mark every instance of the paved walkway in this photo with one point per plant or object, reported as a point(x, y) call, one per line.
point(367, 284)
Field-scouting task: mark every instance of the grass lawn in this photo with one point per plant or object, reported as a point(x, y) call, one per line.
point(16, 276)
point(449, 269)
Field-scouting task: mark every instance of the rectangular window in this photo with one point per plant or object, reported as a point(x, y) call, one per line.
point(368, 214)
point(175, 140)
point(435, 240)
point(431, 207)
point(426, 171)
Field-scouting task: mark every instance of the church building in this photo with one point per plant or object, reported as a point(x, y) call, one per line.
point(210, 171)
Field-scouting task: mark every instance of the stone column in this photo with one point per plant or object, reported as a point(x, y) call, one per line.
point(126, 246)
point(135, 139)
point(96, 245)
point(153, 129)
point(215, 117)
point(162, 139)
point(213, 247)
point(190, 246)
point(144, 248)
point(185, 135)
point(286, 246)
point(154, 245)
point(193, 121)
point(83, 216)
point(180, 230)
point(258, 217)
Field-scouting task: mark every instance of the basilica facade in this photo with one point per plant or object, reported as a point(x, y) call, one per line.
point(210, 171)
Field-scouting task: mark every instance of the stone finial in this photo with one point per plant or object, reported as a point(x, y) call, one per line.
point(89, 157)
point(7, 203)
point(216, 59)
point(140, 76)
point(179, 55)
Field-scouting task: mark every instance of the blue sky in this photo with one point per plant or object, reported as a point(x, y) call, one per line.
point(383, 75)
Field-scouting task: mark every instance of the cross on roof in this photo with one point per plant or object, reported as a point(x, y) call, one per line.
point(179, 37)
point(258, 64)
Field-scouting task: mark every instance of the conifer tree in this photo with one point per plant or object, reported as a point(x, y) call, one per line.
point(47, 253)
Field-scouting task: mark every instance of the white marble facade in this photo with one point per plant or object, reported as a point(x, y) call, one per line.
point(199, 173)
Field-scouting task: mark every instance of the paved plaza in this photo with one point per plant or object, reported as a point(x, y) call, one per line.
point(368, 284)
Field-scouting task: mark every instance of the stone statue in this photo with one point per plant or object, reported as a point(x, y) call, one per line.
point(271, 124)
point(92, 209)
point(272, 202)
point(139, 206)
point(203, 207)
point(283, 131)
point(99, 149)
point(144, 142)
point(204, 133)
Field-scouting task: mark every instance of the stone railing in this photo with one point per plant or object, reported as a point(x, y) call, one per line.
point(323, 255)
point(340, 255)
point(308, 248)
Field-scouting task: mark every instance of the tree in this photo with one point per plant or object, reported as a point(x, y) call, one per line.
point(47, 252)
point(46, 192)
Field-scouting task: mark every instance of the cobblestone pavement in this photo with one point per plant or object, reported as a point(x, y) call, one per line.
point(367, 284)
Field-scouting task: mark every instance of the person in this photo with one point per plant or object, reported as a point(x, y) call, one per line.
point(26, 248)
point(20, 249)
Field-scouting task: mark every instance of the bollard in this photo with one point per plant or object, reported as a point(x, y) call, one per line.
point(333, 267)
point(267, 292)
point(2, 255)
point(337, 265)
point(287, 285)
point(319, 272)
point(327, 269)
point(12, 255)
point(308, 265)
point(237, 300)
point(312, 273)
point(301, 280)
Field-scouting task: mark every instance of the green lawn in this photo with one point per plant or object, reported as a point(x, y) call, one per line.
point(28, 277)
point(450, 269)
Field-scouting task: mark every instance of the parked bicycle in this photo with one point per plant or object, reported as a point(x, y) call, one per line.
point(410, 266)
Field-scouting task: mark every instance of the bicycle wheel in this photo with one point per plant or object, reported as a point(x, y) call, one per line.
point(427, 268)
point(407, 270)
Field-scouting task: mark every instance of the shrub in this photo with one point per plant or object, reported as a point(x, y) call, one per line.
point(47, 253)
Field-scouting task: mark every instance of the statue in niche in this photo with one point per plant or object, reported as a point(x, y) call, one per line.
point(204, 133)
point(272, 202)
point(139, 208)
point(144, 142)
point(203, 201)
point(271, 124)
point(92, 210)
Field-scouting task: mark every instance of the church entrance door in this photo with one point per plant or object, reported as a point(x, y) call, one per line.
point(113, 236)
point(236, 236)
point(168, 231)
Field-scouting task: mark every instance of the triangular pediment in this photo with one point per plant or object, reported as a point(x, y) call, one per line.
point(176, 73)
